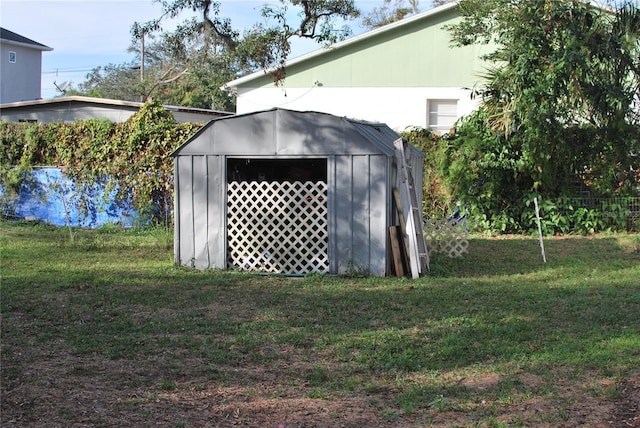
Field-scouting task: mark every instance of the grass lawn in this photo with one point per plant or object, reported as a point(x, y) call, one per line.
point(105, 331)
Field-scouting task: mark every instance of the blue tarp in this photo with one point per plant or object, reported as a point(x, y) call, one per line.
point(47, 195)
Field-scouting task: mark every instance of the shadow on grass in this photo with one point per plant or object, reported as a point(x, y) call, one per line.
point(235, 320)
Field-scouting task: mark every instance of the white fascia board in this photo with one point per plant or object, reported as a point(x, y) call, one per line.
point(38, 47)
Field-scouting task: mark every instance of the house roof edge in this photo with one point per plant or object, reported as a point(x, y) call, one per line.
point(11, 38)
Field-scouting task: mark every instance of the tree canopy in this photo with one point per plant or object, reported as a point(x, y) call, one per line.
point(390, 11)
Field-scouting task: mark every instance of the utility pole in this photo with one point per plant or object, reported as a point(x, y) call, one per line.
point(142, 63)
point(142, 57)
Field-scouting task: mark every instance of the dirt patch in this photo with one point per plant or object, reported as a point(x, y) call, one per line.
point(626, 409)
point(481, 382)
point(63, 390)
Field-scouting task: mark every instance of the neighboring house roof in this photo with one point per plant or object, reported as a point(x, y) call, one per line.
point(9, 37)
point(346, 43)
point(106, 101)
point(59, 100)
point(80, 101)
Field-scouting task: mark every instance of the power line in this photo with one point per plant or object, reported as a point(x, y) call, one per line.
point(69, 70)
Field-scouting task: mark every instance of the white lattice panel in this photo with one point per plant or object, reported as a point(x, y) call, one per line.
point(446, 236)
point(277, 227)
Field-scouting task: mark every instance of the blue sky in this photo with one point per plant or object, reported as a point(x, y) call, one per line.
point(85, 34)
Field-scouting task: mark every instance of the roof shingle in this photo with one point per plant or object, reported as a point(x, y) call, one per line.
point(17, 38)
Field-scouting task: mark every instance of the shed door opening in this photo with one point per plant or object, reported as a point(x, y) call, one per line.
point(277, 215)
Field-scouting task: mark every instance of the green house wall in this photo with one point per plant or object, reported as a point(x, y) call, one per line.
point(417, 54)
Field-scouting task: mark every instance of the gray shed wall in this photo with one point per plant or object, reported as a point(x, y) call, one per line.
point(358, 216)
point(200, 206)
point(66, 112)
point(361, 214)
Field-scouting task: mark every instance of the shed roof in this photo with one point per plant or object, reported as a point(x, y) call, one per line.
point(13, 38)
point(282, 132)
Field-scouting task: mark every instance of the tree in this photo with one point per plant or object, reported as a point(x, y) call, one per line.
point(178, 73)
point(565, 84)
point(390, 11)
point(200, 87)
point(214, 31)
point(264, 46)
point(115, 81)
point(187, 66)
point(173, 74)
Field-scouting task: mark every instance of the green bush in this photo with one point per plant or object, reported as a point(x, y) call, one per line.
point(493, 180)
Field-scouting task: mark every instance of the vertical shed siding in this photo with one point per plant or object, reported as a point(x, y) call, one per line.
point(361, 210)
point(200, 211)
point(184, 215)
point(360, 213)
point(200, 207)
point(380, 214)
point(217, 211)
point(176, 212)
point(343, 242)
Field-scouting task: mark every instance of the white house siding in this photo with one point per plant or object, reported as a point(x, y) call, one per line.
point(399, 107)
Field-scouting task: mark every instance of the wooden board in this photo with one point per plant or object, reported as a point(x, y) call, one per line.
point(395, 235)
point(403, 227)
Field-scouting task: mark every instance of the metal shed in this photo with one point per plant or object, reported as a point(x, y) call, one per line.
point(288, 192)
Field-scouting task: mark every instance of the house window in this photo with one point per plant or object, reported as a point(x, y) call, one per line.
point(12, 56)
point(441, 114)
